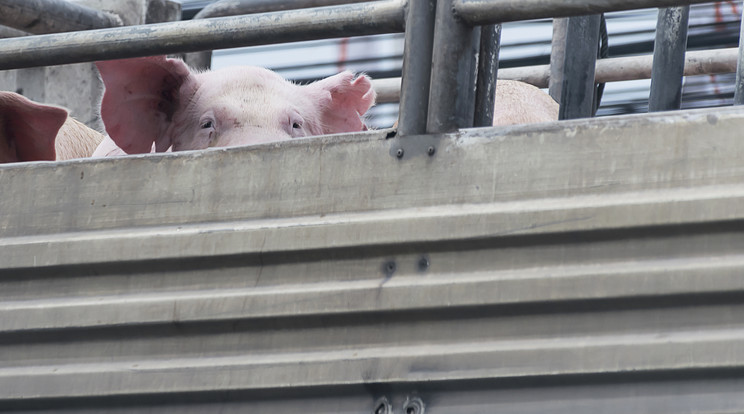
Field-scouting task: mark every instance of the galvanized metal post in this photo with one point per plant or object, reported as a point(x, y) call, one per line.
point(488, 66)
point(414, 93)
point(453, 72)
point(557, 57)
point(577, 90)
point(739, 91)
point(669, 59)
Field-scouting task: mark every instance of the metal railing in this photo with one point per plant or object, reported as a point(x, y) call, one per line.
point(435, 98)
point(196, 35)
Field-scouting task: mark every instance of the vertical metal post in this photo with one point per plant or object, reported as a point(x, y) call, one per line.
point(557, 57)
point(414, 92)
point(669, 59)
point(577, 88)
point(739, 91)
point(453, 72)
point(488, 67)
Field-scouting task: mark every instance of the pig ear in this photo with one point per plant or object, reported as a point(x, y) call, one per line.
point(28, 129)
point(139, 101)
point(343, 101)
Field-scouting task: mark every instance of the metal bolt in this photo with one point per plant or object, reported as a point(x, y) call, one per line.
point(389, 267)
point(414, 406)
point(431, 150)
point(423, 264)
point(382, 406)
point(399, 153)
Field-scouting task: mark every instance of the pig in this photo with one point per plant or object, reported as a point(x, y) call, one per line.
point(158, 103)
point(517, 103)
point(30, 131)
point(521, 103)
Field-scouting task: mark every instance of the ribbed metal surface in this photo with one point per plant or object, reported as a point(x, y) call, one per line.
point(583, 267)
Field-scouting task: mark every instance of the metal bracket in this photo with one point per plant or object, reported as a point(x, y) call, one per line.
point(415, 146)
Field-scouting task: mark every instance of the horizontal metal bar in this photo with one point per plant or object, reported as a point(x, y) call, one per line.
point(203, 59)
point(246, 238)
point(203, 34)
point(53, 16)
point(637, 353)
point(235, 7)
point(481, 12)
point(700, 62)
point(124, 203)
point(564, 282)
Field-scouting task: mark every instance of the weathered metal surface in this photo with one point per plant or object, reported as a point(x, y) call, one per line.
point(739, 89)
point(670, 46)
point(488, 67)
point(203, 60)
point(194, 35)
point(577, 83)
point(578, 266)
point(234, 7)
point(53, 16)
point(6, 32)
point(454, 69)
point(557, 58)
point(419, 42)
point(479, 12)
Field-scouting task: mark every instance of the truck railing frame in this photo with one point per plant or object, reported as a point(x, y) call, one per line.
point(455, 84)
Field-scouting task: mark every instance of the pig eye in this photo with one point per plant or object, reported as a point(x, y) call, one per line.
point(207, 124)
point(294, 125)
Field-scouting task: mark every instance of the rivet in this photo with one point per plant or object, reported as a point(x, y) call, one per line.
point(431, 150)
point(414, 406)
point(382, 406)
point(389, 267)
point(423, 264)
point(399, 153)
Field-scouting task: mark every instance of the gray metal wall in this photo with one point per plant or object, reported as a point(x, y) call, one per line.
point(582, 266)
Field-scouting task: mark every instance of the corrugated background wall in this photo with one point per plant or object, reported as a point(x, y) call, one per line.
point(582, 267)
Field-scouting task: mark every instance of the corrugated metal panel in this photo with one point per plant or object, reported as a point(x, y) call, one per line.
point(582, 266)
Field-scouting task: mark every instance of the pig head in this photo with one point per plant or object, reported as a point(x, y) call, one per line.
point(30, 131)
point(160, 103)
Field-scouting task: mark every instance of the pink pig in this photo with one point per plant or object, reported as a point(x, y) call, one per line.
point(156, 104)
point(30, 131)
